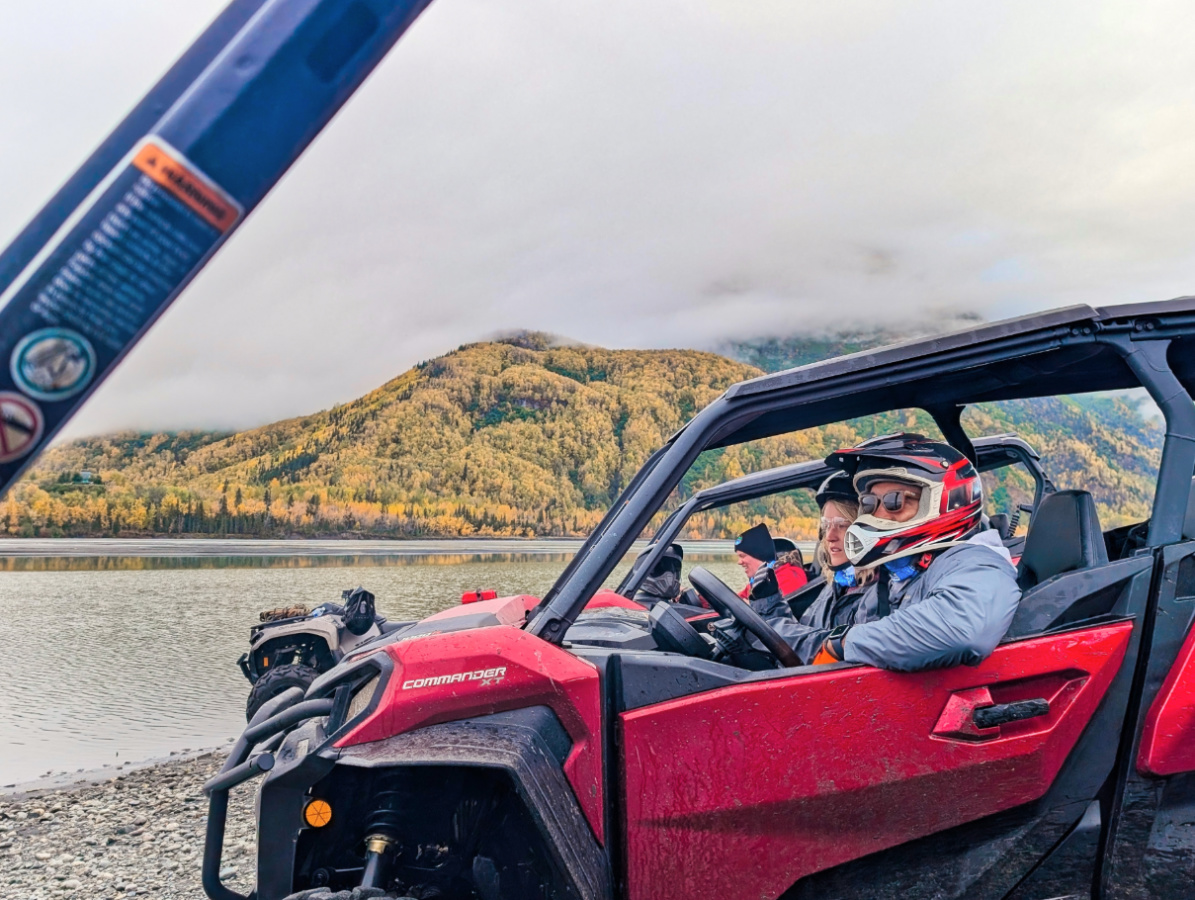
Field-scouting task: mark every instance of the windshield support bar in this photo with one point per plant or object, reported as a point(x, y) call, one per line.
point(552, 618)
point(1148, 361)
point(949, 420)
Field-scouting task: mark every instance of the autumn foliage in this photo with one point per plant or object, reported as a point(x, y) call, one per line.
point(520, 437)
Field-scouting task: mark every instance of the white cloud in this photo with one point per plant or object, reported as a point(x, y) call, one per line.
point(657, 173)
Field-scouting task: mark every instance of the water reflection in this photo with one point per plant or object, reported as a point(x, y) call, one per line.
point(153, 563)
point(111, 659)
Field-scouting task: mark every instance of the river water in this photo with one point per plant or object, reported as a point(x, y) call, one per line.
point(113, 652)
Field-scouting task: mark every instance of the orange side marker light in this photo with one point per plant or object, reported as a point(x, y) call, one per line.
point(317, 813)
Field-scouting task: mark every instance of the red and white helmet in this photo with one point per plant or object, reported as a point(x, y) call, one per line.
point(951, 501)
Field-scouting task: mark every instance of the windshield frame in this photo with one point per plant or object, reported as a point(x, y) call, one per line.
point(1006, 360)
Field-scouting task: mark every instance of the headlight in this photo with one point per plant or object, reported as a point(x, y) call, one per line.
point(362, 697)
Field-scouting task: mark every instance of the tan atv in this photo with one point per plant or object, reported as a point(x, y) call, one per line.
point(293, 646)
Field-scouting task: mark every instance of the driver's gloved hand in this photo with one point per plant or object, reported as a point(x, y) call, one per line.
point(764, 584)
point(730, 636)
point(736, 643)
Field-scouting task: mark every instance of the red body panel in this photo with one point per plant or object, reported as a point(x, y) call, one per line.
point(804, 773)
point(605, 599)
point(1168, 739)
point(459, 674)
point(509, 610)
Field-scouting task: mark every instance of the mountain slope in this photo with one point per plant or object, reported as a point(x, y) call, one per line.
point(522, 437)
point(514, 437)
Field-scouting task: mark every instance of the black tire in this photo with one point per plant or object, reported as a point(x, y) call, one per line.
point(354, 894)
point(274, 682)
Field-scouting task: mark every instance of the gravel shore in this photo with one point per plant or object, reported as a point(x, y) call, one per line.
point(135, 834)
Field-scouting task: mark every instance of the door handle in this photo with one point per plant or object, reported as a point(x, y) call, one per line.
point(1003, 713)
point(972, 715)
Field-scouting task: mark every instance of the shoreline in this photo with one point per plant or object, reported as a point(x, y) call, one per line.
point(221, 546)
point(83, 778)
point(135, 833)
point(200, 547)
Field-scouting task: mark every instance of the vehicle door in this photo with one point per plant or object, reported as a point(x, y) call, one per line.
point(849, 781)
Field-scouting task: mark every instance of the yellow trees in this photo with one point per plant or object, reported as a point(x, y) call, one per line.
point(512, 438)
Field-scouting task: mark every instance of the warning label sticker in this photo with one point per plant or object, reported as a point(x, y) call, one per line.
point(21, 426)
point(73, 314)
point(187, 185)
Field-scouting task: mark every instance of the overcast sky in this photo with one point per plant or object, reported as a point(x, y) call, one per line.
point(642, 174)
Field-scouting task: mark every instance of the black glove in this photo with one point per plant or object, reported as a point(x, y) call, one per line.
point(764, 584)
point(734, 642)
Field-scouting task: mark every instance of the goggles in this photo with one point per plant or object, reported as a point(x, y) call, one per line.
point(838, 522)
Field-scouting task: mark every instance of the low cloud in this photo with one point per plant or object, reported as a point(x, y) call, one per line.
point(646, 174)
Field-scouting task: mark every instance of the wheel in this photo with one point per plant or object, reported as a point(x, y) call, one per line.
point(274, 682)
point(355, 894)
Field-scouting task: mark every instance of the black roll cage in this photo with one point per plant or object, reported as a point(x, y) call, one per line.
point(1071, 350)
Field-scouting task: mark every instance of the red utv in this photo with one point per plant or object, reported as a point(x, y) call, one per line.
point(524, 748)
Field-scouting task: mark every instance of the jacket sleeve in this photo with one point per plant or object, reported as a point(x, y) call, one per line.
point(970, 597)
point(805, 635)
point(806, 640)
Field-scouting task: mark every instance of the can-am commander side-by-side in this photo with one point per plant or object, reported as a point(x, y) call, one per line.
point(582, 746)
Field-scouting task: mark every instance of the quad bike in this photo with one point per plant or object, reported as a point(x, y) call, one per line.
point(583, 746)
point(293, 646)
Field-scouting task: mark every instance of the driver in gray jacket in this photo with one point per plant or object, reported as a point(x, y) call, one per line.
point(942, 594)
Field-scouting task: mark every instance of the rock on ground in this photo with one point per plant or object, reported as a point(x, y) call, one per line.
point(138, 835)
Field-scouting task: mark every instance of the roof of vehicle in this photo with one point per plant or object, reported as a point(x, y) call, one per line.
point(1055, 352)
point(992, 450)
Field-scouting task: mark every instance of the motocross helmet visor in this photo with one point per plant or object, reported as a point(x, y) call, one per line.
point(948, 508)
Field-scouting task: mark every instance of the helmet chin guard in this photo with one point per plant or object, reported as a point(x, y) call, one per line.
point(951, 496)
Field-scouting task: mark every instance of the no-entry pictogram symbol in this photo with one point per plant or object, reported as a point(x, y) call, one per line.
point(21, 426)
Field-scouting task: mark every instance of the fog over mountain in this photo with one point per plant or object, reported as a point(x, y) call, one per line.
point(650, 174)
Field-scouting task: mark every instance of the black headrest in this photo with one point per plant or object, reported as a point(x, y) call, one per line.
point(1189, 522)
point(999, 523)
point(1065, 535)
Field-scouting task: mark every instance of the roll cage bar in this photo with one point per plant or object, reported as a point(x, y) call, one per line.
point(1076, 349)
point(992, 452)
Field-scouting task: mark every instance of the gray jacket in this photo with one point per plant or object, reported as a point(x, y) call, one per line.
point(830, 609)
point(955, 611)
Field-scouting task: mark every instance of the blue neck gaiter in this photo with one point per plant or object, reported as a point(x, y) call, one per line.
point(901, 569)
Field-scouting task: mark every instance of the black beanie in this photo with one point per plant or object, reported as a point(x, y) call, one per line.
point(757, 542)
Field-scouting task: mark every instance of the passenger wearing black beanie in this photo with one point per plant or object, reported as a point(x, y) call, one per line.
point(756, 543)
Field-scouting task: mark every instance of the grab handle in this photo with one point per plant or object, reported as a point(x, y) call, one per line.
point(1003, 713)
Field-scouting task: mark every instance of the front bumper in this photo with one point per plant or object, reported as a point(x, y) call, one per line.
point(290, 737)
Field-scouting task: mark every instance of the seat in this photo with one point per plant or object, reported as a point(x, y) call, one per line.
point(1065, 536)
point(803, 598)
point(1189, 521)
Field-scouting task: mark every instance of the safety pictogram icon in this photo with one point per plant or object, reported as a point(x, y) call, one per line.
point(53, 363)
point(21, 426)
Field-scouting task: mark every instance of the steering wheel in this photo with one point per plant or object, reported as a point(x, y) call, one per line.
point(731, 605)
